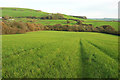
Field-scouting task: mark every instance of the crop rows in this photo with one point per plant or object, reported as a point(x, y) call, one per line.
point(52, 54)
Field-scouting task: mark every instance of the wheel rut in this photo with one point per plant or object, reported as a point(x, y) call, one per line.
point(102, 50)
point(81, 60)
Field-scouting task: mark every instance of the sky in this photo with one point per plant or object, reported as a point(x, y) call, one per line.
point(88, 8)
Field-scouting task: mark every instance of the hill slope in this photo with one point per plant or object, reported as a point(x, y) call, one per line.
point(22, 12)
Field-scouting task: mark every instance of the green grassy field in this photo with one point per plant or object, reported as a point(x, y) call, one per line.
point(97, 24)
point(22, 12)
point(52, 54)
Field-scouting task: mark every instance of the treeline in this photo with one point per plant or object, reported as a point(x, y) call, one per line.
point(76, 28)
point(82, 17)
point(83, 28)
point(21, 27)
point(57, 16)
point(49, 16)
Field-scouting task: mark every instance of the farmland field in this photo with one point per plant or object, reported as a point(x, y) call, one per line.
point(17, 12)
point(53, 54)
point(97, 23)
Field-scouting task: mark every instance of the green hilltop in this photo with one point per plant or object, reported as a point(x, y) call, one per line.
point(24, 12)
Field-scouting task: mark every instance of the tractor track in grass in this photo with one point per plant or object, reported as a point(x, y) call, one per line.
point(106, 53)
point(82, 52)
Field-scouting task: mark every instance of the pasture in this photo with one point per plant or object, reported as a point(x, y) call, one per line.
point(22, 12)
point(53, 54)
point(101, 23)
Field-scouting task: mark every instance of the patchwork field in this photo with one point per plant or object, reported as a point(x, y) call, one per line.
point(24, 12)
point(52, 54)
point(95, 23)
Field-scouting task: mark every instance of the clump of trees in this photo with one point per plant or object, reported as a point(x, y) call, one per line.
point(19, 27)
point(77, 28)
point(106, 29)
point(53, 16)
point(6, 17)
point(82, 17)
point(10, 28)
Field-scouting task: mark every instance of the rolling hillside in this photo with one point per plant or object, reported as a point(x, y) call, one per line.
point(23, 12)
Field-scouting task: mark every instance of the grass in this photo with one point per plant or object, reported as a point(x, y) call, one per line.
point(22, 12)
point(97, 24)
point(53, 22)
point(52, 54)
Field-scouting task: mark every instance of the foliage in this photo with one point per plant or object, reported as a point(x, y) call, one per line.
point(19, 27)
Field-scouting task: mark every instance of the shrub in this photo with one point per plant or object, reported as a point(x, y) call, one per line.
point(6, 17)
point(19, 25)
point(79, 22)
point(105, 28)
point(68, 21)
point(31, 27)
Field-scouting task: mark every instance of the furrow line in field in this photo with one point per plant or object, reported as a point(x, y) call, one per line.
point(81, 57)
point(101, 50)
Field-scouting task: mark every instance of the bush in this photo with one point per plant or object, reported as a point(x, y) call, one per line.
point(53, 16)
point(105, 28)
point(68, 22)
point(19, 25)
point(31, 27)
point(6, 17)
point(79, 22)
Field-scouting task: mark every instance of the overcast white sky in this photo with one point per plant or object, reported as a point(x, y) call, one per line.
point(89, 8)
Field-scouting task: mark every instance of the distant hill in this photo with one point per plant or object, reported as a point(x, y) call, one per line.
point(105, 19)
